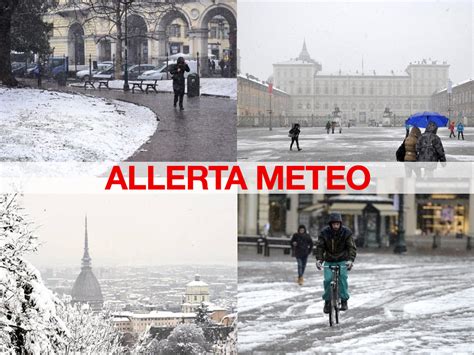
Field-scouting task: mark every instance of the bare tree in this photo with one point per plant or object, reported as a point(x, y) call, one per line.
point(115, 14)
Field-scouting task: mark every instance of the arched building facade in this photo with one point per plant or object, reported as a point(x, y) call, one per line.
point(189, 27)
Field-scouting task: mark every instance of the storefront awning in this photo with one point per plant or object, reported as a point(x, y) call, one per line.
point(347, 208)
point(386, 209)
point(317, 207)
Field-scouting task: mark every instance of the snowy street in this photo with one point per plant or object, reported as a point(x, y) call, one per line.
point(398, 304)
point(354, 144)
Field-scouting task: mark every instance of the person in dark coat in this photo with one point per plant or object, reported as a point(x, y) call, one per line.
point(328, 126)
point(303, 245)
point(335, 246)
point(179, 82)
point(294, 134)
point(429, 146)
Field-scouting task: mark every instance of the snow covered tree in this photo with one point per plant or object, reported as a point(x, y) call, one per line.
point(185, 339)
point(29, 323)
point(89, 332)
point(202, 315)
point(22, 29)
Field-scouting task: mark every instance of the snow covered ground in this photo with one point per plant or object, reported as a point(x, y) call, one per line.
point(39, 125)
point(398, 304)
point(354, 144)
point(209, 86)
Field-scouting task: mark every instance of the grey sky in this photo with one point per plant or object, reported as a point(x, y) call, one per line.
point(388, 35)
point(191, 228)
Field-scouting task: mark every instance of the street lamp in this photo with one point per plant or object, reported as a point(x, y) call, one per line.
point(400, 246)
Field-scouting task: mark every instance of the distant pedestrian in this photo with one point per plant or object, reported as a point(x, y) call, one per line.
point(294, 133)
point(213, 66)
point(303, 245)
point(333, 126)
point(328, 126)
point(460, 129)
point(451, 128)
point(410, 151)
point(179, 81)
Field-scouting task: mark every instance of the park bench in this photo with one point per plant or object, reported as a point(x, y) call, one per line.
point(102, 79)
point(149, 84)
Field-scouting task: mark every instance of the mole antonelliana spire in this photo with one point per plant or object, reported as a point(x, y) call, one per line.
point(86, 289)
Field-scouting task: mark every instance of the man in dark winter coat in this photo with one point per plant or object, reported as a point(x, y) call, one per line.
point(335, 246)
point(179, 81)
point(294, 133)
point(303, 245)
point(429, 146)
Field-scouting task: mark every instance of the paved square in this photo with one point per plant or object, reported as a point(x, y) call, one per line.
point(354, 144)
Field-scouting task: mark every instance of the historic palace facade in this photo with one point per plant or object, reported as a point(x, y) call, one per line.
point(155, 29)
point(362, 97)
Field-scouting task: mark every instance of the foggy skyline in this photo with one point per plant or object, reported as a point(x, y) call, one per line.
point(340, 35)
point(134, 230)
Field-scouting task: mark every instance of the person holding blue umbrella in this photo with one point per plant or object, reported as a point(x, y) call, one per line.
point(429, 148)
point(460, 129)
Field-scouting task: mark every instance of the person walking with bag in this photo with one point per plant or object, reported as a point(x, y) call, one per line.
point(294, 134)
point(179, 82)
point(303, 245)
point(410, 151)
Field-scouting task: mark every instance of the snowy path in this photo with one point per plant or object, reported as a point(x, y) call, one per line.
point(226, 87)
point(398, 304)
point(40, 125)
point(354, 144)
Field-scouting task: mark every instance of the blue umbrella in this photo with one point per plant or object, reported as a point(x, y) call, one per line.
point(421, 119)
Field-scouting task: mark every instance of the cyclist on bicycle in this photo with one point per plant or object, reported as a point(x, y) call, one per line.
point(335, 246)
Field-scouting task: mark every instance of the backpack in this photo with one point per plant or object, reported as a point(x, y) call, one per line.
point(400, 154)
point(291, 133)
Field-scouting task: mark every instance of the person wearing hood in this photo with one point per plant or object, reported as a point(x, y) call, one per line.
point(429, 148)
point(335, 246)
point(410, 151)
point(460, 128)
point(303, 245)
point(179, 82)
point(294, 134)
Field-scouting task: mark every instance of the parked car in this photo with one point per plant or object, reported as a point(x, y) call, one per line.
point(162, 73)
point(84, 74)
point(135, 71)
point(19, 68)
point(108, 73)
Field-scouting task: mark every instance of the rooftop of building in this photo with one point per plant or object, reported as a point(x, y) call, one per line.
point(257, 81)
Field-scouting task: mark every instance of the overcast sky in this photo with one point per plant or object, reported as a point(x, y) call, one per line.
point(388, 35)
point(124, 230)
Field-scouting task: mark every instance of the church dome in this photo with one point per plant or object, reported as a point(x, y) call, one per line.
point(86, 288)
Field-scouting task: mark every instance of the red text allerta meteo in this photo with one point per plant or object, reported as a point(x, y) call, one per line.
point(227, 177)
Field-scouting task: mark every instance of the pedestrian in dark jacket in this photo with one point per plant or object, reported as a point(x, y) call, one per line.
point(294, 133)
point(335, 246)
point(429, 146)
point(460, 128)
point(303, 245)
point(328, 126)
point(179, 81)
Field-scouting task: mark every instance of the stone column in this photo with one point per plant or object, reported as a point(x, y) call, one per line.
point(292, 215)
point(251, 214)
point(410, 215)
point(263, 210)
point(199, 38)
point(470, 231)
point(162, 44)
